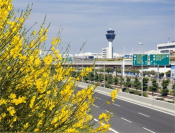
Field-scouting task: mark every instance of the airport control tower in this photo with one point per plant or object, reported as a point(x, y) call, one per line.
point(110, 36)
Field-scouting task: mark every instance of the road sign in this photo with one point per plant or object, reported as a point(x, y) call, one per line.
point(159, 59)
point(138, 58)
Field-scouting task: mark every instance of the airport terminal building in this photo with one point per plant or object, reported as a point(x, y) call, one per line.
point(166, 48)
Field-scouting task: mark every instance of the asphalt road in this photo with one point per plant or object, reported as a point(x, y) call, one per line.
point(132, 118)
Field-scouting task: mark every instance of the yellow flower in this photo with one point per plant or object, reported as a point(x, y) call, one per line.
point(34, 32)
point(113, 95)
point(12, 96)
point(37, 61)
point(26, 125)
point(11, 110)
point(108, 102)
point(19, 100)
point(52, 48)
point(36, 129)
point(3, 101)
point(3, 115)
point(32, 101)
point(15, 117)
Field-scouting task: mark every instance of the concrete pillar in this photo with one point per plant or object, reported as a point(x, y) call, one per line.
point(114, 72)
point(164, 72)
point(123, 68)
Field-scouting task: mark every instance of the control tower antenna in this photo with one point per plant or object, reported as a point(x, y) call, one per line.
point(168, 39)
point(110, 36)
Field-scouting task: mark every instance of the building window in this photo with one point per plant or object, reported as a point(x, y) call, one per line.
point(166, 47)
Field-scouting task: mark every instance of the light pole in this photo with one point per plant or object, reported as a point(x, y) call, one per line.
point(142, 68)
point(104, 76)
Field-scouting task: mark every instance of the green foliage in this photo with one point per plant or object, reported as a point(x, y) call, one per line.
point(90, 76)
point(100, 77)
point(154, 86)
point(125, 89)
point(145, 84)
point(168, 73)
point(121, 80)
point(109, 69)
point(164, 90)
point(161, 75)
point(165, 83)
point(137, 83)
point(173, 87)
point(96, 77)
point(115, 80)
point(138, 93)
point(128, 82)
point(109, 79)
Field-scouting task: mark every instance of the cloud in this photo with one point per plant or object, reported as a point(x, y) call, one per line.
point(89, 20)
point(128, 1)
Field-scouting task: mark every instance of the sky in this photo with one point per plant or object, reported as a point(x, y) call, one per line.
point(87, 21)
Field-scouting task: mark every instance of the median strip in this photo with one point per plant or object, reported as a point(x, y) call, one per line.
point(148, 130)
point(143, 114)
point(126, 120)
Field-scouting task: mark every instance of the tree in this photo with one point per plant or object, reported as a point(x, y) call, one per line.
point(109, 70)
point(154, 86)
point(164, 84)
point(168, 73)
point(91, 76)
point(128, 83)
point(173, 89)
point(109, 79)
point(115, 80)
point(145, 84)
point(137, 83)
point(100, 77)
point(96, 77)
point(34, 98)
point(121, 81)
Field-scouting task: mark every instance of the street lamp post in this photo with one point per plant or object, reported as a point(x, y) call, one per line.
point(142, 68)
point(104, 76)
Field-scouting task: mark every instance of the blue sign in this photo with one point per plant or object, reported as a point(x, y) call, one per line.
point(173, 72)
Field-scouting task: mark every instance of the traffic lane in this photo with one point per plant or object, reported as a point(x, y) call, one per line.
point(158, 121)
point(155, 121)
point(118, 124)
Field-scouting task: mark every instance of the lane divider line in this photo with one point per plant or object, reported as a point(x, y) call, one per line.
point(105, 93)
point(109, 128)
point(95, 106)
point(116, 104)
point(108, 111)
point(148, 130)
point(143, 114)
point(126, 120)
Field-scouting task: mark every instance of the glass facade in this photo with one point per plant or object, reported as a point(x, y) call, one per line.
point(166, 47)
point(110, 36)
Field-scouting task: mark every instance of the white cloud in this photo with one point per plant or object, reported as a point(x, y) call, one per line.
point(129, 1)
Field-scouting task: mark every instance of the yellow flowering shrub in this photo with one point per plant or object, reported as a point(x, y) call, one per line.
point(38, 94)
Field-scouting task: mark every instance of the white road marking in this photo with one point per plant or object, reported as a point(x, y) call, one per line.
point(96, 106)
point(126, 120)
point(108, 111)
point(109, 128)
point(104, 93)
point(148, 130)
point(116, 104)
point(143, 114)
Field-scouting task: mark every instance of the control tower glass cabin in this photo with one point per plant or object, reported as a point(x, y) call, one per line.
point(110, 36)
